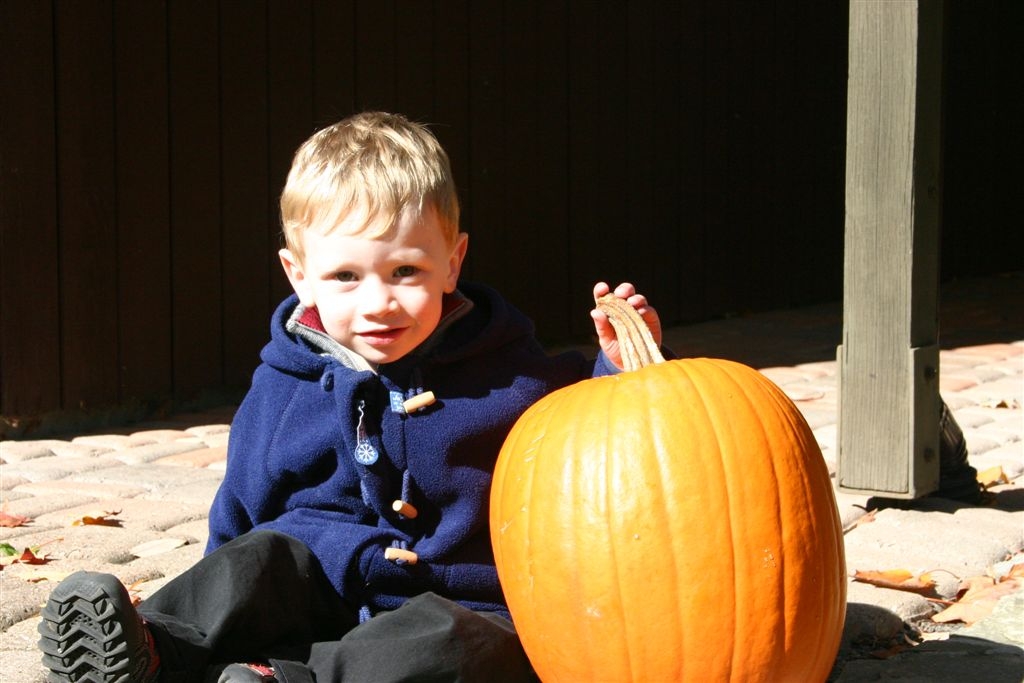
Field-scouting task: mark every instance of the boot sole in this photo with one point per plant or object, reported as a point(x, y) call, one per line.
point(90, 632)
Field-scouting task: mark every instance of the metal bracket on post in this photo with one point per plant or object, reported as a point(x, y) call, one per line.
point(895, 436)
point(924, 423)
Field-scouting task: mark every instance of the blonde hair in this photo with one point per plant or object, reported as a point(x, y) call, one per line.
point(376, 161)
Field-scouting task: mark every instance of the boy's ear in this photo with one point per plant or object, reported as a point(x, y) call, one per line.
point(297, 276)
point(458, 255)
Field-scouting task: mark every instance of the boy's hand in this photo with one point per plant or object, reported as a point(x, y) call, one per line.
point(606, 333)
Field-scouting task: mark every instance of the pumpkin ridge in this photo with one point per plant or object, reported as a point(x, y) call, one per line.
point(816, 469)
point(530, 473)
point(832, 532)
point(665, 475)
point(609, 521)
point(804, 509)
point(591, 469)
point(656, 517)
point(681, 391)
point(733, 373)
point(697, 370)
point(509, 469)
point(717, 374)
point(555, 471)
point(799, 431)
point(610, 463)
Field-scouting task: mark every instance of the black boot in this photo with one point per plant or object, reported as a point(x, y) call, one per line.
point(957, 480)
point(91, 633)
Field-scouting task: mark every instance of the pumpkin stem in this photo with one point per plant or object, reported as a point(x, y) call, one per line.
point(635, 340)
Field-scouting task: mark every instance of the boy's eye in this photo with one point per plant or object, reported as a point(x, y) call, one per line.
point(405, 271)
point(345, 276)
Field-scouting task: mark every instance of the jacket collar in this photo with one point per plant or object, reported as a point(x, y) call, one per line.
point(306, 324)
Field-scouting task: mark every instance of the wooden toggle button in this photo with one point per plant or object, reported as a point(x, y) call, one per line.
point(419, 401)
point(398, 554)
point(404, 509)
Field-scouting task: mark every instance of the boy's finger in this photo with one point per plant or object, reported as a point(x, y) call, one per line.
point(625, 290)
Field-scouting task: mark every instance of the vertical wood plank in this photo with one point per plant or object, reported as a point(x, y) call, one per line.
point(451, 90)
point(654, 128)
point(195, 186)
point(818, 161)
point(375, 55)
point(888, 426)
point(290, 109)
point(717, 268)
point(691, 185)
point(143, 201)
point(484, 218)
point(789, 149)
point(752, 217)
point(86, 205)
point(30, 359)
point(247, 263)
point(982, 145)
point(535, 162)
point(597, 157)
point(333, 61)
point(808, 128)
point(414, 52)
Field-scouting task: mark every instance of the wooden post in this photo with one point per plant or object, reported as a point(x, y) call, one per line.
point(889, 359)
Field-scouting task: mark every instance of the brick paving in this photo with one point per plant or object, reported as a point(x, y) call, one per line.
point(153, 483)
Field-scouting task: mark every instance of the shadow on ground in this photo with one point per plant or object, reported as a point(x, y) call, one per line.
point(877, 645)
point(973, 312)
point(956, 660)
point(1010, 500)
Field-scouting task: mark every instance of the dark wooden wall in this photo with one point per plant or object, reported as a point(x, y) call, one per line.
point(695, 148)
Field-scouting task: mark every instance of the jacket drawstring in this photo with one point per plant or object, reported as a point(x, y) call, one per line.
point(365, 453)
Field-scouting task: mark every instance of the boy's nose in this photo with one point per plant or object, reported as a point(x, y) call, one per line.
point(378, 299)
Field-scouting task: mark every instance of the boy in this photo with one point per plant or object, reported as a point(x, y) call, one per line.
point(349, 538)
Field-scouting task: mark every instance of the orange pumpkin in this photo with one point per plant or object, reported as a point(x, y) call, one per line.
point(671, 523)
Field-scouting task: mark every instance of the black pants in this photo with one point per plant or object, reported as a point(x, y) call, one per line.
point(264, 596)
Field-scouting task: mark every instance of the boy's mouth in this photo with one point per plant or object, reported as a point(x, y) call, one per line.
point(381, 337)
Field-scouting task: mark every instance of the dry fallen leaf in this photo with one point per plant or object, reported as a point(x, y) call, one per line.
point(107, 518)
point(979, 600)
point(992, 476)
point(9, 520)
point(899, 579)
point(1011, 404)
point(864, 519)
point(30, 556)
point(133, 592)
point(9, 554)
point(39, 575)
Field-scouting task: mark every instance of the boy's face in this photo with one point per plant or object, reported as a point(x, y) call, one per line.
point(380, 297)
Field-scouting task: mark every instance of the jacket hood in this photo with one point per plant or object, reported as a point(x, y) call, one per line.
point(477, 320)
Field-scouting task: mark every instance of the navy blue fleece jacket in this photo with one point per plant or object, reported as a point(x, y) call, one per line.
point(321, 448)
